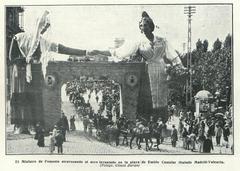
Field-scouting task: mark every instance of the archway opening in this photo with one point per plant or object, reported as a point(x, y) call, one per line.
point(88, 96)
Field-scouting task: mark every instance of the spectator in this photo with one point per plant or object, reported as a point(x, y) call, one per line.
point(52, 142)
point(59, 141)
point(180, 127)
point(201, 140)
point(174, 136)
point(39, 135)
point(72, 123)
point(97, 98)
point(218, 133)
point(192, 138)
point(211, 131)
point(63, 125)
point(207, 145)
point(90, 128)
point(202, 127)
point(55, 129)
point(184, 137)
point(86, 121)
point(226, 133)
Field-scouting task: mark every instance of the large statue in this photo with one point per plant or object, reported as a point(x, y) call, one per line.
point(154, 50)
point(27, 49)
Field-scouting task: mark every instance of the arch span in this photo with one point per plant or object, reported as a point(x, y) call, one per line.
point(128, 75)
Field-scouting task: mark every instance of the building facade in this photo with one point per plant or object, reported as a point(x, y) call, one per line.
point(14, 24)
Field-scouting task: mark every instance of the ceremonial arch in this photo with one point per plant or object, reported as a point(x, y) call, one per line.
point(132, 78)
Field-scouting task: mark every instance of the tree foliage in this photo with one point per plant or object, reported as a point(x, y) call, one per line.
point(228, 41)
point(205, 46)
point(217, 45)
point(212, 70)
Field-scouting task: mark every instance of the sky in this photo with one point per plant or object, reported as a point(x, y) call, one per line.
point(95, 27)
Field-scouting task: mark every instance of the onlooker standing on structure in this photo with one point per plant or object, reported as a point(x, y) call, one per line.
point(174, 136)
point(218, 133)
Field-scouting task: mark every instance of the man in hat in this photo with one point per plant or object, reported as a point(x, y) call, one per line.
point(174, 136)
point(226, 133)
point(207, 145)
point(40, 135)
point(218, 133)
point(63, 125)
point(59, 141)
point(72, 123)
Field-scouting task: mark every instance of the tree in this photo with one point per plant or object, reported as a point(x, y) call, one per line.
point(217, 45)
point(199, 45)
point(212, 71)
point(228, 41)
point(213, 68)
point(205, 45)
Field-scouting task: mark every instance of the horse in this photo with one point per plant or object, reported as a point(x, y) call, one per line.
point(141, 132)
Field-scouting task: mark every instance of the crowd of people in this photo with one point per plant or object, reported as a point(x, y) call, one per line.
point(203, 131)
point(195, 134)
point(57, 135)
point(107, 94)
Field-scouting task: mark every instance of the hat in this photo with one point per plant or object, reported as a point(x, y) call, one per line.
point(149, 20)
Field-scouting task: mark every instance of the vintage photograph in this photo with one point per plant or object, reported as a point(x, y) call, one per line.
point(119, 79)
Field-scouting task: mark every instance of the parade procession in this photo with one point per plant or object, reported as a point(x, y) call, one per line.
point(125, 79)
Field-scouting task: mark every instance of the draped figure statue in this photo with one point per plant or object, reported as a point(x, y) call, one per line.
point(155, 51)
point(26, 49)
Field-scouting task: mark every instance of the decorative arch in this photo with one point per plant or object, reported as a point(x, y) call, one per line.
point(128, 75)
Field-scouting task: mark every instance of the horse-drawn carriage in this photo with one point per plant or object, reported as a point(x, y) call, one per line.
point(127, 131)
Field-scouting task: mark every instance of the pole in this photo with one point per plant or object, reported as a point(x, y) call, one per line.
point(190, 10)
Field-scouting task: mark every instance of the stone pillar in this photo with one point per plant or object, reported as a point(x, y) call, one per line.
point(51, 101)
